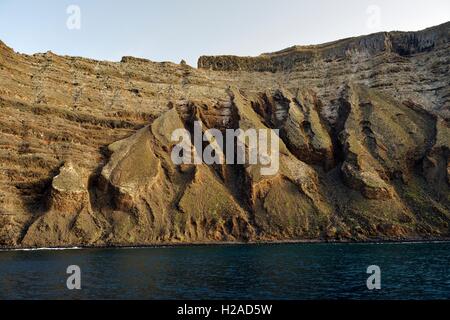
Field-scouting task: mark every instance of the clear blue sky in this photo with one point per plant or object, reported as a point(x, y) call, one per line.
point(171, 30)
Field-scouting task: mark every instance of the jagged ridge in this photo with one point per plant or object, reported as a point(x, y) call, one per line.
point(401, 43)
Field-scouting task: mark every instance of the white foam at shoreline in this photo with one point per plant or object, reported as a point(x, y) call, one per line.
point(41, 249)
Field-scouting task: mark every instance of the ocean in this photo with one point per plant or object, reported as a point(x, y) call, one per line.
point(267, 271)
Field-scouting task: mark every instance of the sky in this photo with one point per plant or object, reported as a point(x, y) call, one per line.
point(172, 30)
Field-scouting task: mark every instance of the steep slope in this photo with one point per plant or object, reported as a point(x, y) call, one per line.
point(85, 146)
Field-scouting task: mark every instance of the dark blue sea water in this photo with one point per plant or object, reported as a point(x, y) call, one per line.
point(285, 271)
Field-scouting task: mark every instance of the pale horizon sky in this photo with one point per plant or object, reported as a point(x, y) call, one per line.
point(172, 30)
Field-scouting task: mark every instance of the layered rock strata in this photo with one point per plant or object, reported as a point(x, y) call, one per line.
point(85, 146)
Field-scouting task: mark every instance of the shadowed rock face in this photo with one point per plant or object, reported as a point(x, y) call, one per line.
point(85, 145)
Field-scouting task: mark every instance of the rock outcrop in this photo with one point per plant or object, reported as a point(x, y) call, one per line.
point(363, 136)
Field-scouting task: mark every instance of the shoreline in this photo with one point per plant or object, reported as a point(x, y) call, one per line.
point(227, 243)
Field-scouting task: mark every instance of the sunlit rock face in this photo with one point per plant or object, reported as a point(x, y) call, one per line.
point(86, 146)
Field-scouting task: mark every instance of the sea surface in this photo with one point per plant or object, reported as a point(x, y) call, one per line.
point(281, 271)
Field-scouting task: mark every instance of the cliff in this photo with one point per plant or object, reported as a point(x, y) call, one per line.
point(364, 145)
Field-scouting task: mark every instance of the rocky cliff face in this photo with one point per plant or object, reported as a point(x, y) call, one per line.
point(363, 132)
